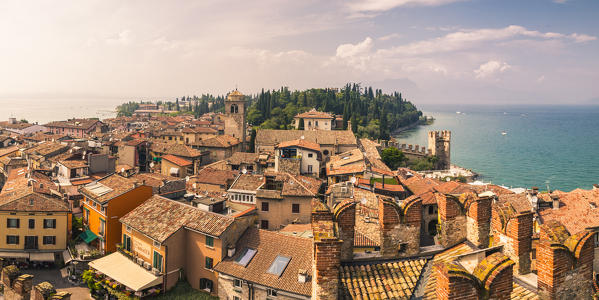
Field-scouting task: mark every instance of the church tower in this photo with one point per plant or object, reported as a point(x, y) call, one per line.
point(235, 116)
point(439, 143)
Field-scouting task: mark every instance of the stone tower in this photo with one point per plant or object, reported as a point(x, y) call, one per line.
point(439, 142)
point(235, 116)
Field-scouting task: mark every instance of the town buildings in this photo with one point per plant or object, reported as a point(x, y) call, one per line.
point(314, 120)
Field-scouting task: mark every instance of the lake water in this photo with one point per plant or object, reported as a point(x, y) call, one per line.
point(543, 146)
point(46, 110)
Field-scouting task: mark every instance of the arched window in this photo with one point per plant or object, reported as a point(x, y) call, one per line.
point(234, 108)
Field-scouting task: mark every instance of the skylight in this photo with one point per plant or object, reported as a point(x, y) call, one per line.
point(279, 265)
point(246, 256)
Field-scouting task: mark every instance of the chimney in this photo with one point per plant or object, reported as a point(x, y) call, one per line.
point(302, 276)
point(554, 201)
point(230, 251)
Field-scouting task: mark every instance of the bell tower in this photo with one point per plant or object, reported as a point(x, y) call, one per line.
point(235, 124)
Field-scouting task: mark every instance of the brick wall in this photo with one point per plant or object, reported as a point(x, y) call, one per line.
point(502, 284)
point(516, 236)
point(453, 287)
point(326, 263)
point(346, 219)
point(563, 274)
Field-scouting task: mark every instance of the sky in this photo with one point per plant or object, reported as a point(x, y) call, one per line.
point(433, 51)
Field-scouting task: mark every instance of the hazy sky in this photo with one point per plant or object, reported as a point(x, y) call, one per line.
point(434, 51)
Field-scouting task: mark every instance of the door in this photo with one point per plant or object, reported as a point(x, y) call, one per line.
point(30, 242)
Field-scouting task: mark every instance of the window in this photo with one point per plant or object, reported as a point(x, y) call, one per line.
point(264, 206)
point(236, 298)
point(126, 242)
point(157, 264)
point(295, 208)
point(85, 214)
point(325, 152)
point(246, 256)
point(430, 210)
point(279, 265)
point(271, 293)
point(49, 240)
point(209, 241)
point(31, 223)
point(102, 227)
point(12, 239)
point(264, 224)
point(316, 123)
point(209, 262)
point(206, 284)
point(310, 154)
point(309, 168)
point(237, 283)
point(49, 223)
point(12, 223)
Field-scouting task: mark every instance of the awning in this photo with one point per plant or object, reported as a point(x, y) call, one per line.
point(66, 255)
point(14, 254)
point(87, 236)
point(41, 256)
point(120, 268)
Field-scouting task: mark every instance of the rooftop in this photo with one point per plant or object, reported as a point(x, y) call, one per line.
point(268, 246)
point(321, 137)
point(159, 218)
point(108, 187)
point(314, 114)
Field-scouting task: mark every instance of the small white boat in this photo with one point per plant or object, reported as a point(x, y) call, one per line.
point(458, 112)
point(503, 133)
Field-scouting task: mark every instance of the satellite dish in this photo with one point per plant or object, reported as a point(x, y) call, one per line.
point(302, 137)
point(244, 171)
point(353, 179)
point(448, 179)
point(363, 201)
point(151, 165)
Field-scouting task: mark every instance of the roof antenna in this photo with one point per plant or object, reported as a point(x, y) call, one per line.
point(236, 86)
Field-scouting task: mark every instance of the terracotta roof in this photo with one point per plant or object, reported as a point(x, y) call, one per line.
point(393, 279)
point(247, 182)
point(518, 201)
point(74, 123)
point(213, 176)
point(578, 209)
point(46, 148)
point(219, 141)
point(349, 162)
point(18, 125)
point(153, 179)
point(74, 164)
point(300, 143)
point(159, 218)
point(418, 185)
point(175, 149)
point(297, 185)
point(115, 183)
point(8, 150)
point(17, 195)
point(268, 246)
point(321, 137)
point(179, 161)
point(242, 158)
point(314, 114)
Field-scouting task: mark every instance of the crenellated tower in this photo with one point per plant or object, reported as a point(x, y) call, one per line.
point(439, 143)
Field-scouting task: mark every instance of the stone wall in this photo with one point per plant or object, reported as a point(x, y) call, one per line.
point(289, 165)
point(345, 216)
point(400, 235)
point(478, 222)
point(514, 232)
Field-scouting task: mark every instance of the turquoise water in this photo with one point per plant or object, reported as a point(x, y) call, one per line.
point(544, 146)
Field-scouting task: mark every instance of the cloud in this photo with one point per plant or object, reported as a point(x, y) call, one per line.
point(491, 68)
point(389, 37)
point(465, 39)
point(384, 5)
point(351, 50)
point(560, 1)
point(123, 37)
